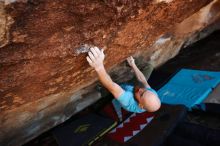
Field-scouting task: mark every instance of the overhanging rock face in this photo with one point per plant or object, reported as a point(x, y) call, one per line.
point(44, 76)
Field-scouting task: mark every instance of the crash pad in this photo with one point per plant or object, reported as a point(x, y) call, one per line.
point(189, 87)
point(130, 127)
point(164, 122)
point(197, 78)
point(179, 94)
point(153, 133)
point(83, 131)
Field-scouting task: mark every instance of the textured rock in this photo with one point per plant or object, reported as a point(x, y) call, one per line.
point(5, 22)
point(43, 70)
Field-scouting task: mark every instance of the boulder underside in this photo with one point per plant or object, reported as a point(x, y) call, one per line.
point(44, 76)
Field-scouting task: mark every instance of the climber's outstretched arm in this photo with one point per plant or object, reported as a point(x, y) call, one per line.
point(95, 58)
point(139, 75)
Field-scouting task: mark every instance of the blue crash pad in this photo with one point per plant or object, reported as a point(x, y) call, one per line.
point(187, 95)
point(189, 87)
point(196, 78)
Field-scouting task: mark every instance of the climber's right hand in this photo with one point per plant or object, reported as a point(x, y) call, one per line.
point(95, 58)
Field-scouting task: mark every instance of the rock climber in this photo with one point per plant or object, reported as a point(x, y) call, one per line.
point(136, 98)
